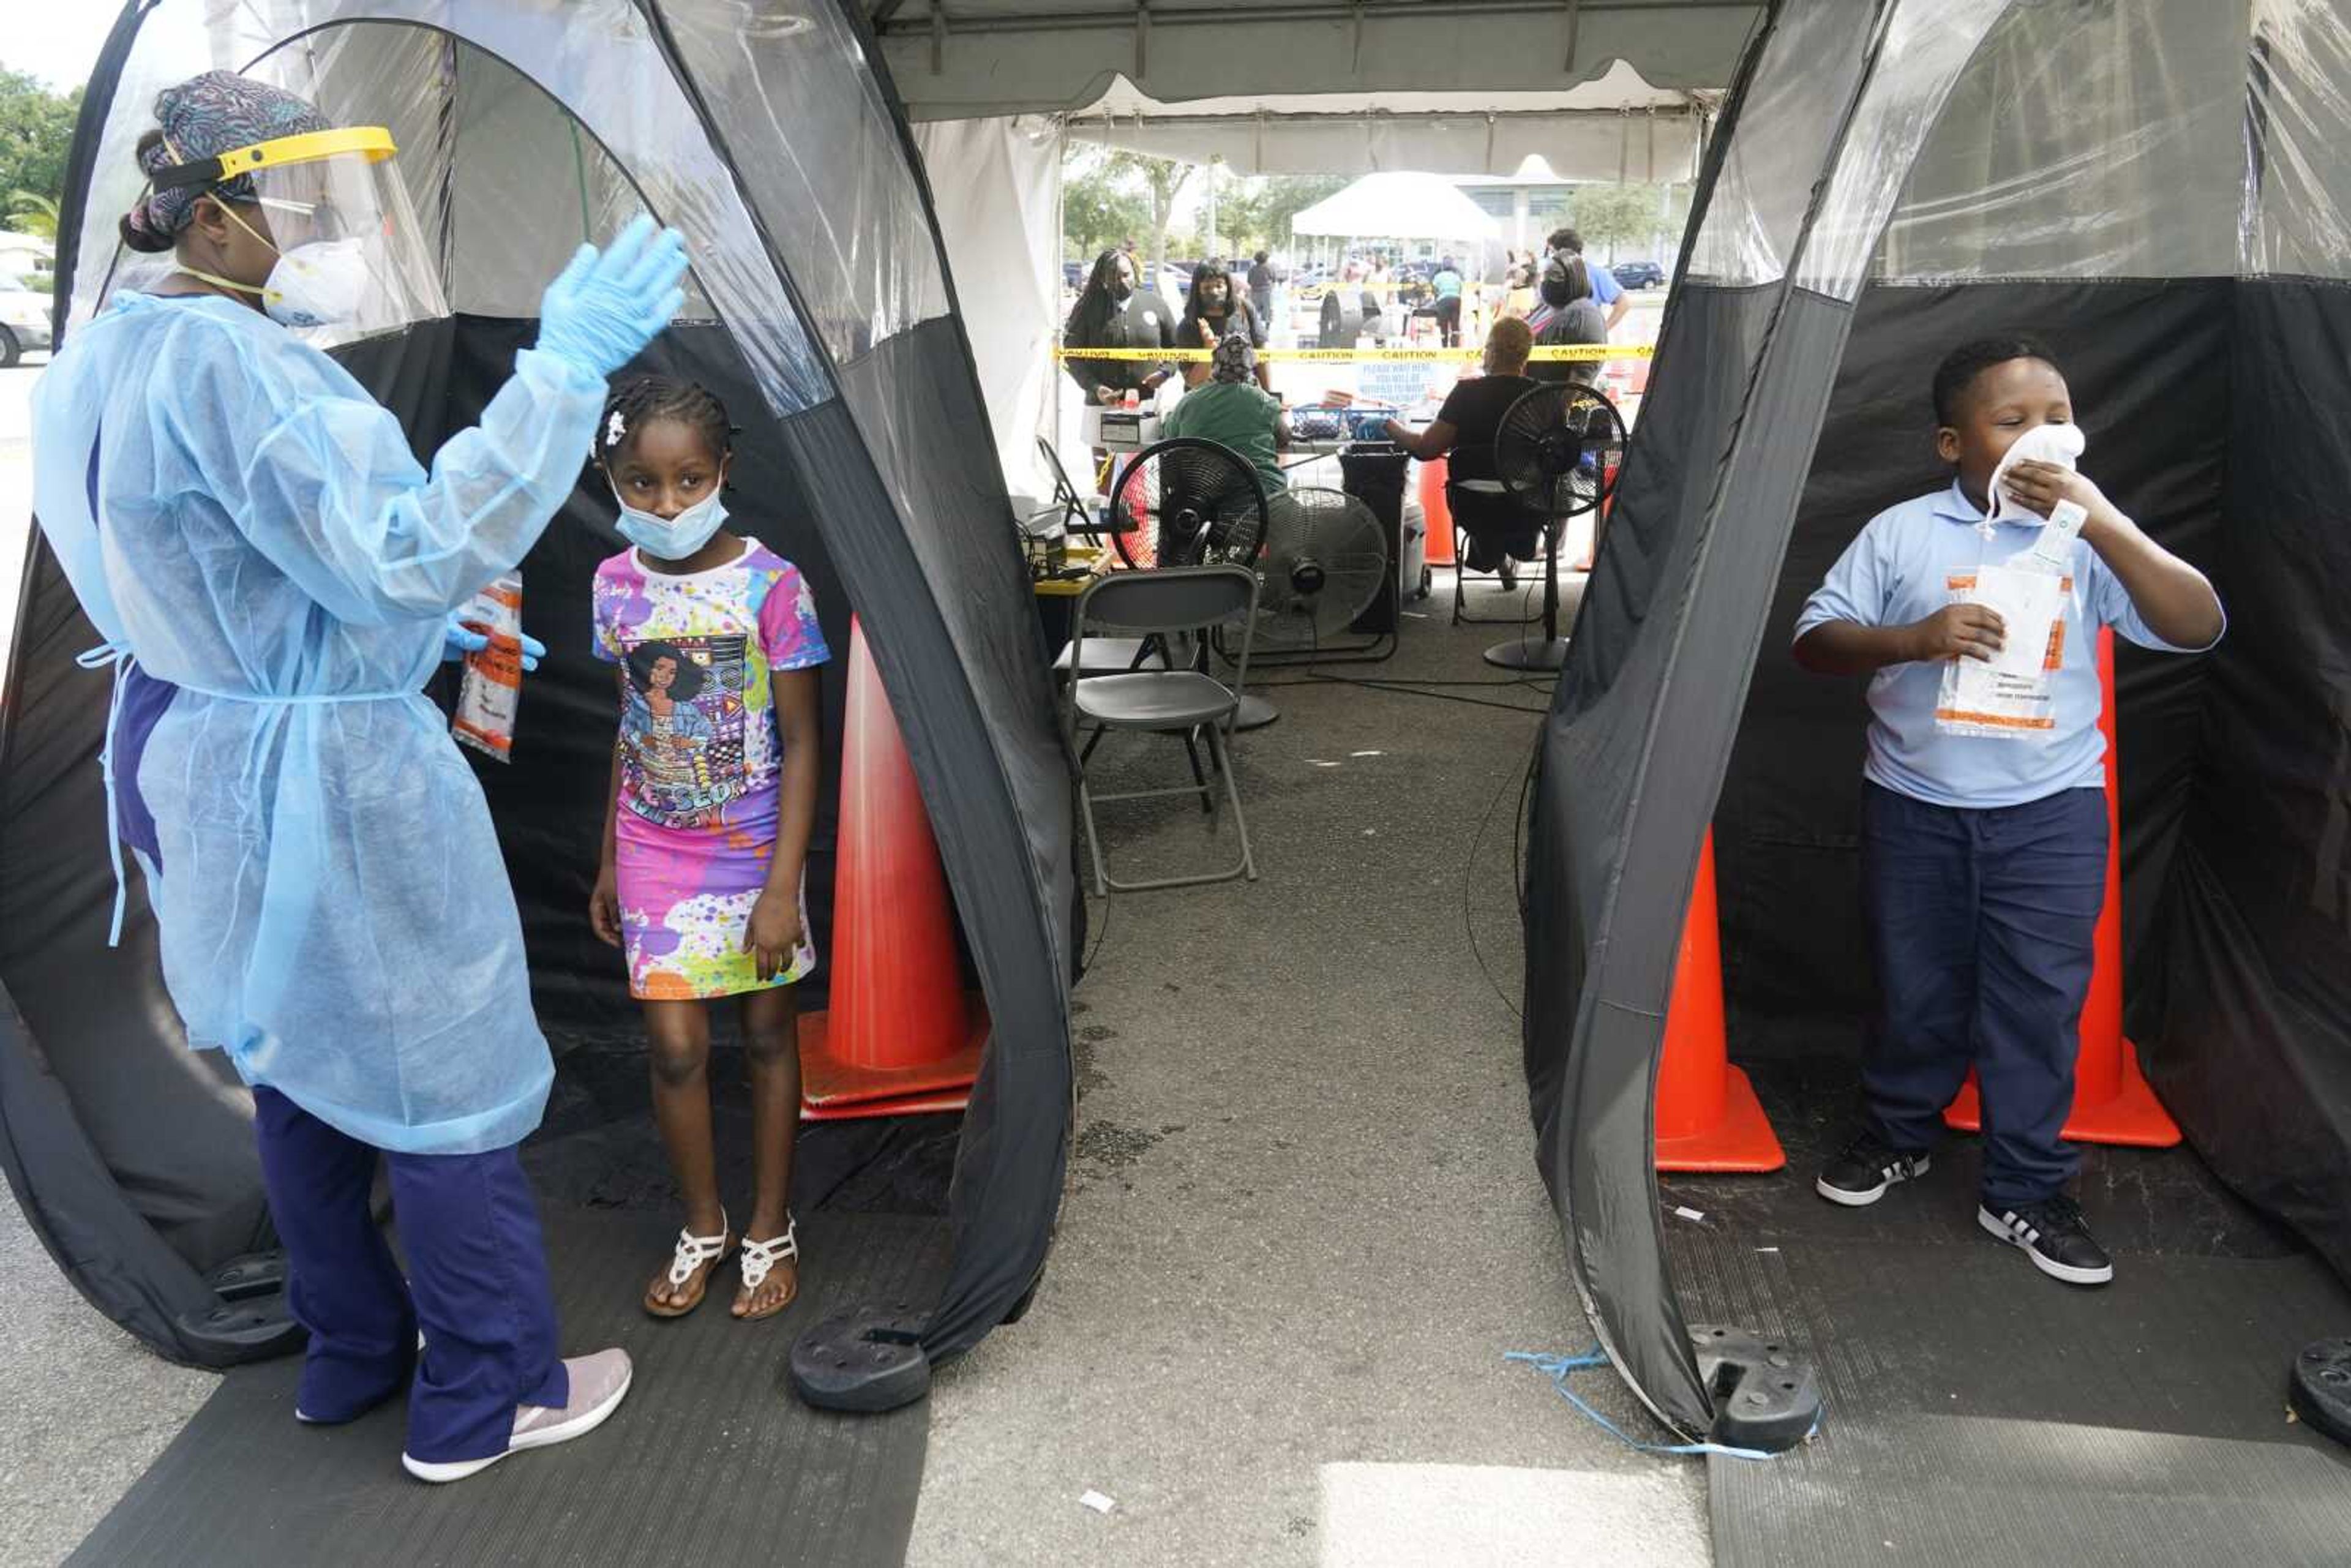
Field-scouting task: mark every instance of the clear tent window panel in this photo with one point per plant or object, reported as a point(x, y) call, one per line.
point(1924, 48)
point(1793, 101)
point(597, 64)
point(838, 197)
point(2295, 219)
point(2084, 141)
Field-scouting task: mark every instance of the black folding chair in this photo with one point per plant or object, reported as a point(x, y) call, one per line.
point(1183, 702)
point(1483, 509)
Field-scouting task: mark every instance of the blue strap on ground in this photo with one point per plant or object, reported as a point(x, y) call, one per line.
point(1560, 1366)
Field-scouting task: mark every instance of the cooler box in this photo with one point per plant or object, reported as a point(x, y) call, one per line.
point(1119, 429)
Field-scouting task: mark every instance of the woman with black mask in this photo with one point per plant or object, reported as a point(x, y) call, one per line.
point(1112, 313)
point(1211, 310)
point(1568, 315)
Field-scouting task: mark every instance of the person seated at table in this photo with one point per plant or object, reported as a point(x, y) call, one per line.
point(1211, 312)
point(1569, 315)
point(1464, 431)
point(1231, 411)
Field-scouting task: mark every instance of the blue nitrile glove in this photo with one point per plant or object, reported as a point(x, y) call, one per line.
point(609, 304)
point(460, 640)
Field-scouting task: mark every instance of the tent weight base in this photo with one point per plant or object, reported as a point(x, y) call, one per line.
point(1255, 713)
point(864, 1360)
point(1764, 1397)
point(254, 1274)
point(2320, 1388)
point(236, 1331)
point(1549, 655)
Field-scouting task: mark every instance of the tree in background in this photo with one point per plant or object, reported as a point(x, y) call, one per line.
point(1099, 178)
point(32, 214)
point(36, 133)
point(1098, 211)
point(1631, 214)
point(1256, 215)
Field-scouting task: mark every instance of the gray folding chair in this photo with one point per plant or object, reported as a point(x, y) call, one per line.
point(1180, 702)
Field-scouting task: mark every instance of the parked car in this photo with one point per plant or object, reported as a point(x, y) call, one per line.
point(23, 318)
point(1638, 274)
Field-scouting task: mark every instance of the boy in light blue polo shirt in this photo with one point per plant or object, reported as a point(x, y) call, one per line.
point(1984, 820)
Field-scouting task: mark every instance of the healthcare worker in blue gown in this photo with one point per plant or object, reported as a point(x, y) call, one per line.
point(272, 571)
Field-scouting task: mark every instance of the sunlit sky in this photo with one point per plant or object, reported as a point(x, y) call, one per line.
point(58, 43)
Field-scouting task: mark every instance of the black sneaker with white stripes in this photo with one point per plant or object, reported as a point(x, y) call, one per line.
point(1864, 1169)
point(2054, 1235)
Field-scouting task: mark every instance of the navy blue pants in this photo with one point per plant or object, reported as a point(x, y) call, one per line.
point(1982, 923)
point(477, 1284)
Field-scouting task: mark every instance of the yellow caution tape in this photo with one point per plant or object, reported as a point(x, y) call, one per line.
point(1553, 354)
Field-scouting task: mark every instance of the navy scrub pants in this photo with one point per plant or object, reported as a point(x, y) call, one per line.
point(477, 1284)
point(1982, 923)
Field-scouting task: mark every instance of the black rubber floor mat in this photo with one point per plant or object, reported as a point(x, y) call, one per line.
point(711, 1459)
point(1978, 1413)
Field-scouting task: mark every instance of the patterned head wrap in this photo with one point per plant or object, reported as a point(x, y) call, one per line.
point(1233, 360)
point(201, 117)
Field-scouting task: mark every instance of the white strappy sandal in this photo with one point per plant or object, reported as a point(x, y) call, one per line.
point(694, 1254)
point(759, 1260)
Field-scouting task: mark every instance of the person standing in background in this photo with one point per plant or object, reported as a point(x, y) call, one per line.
point(1112, 313)
point(1606, 292)
point(1262, 275)
point(1447, 284)
point(1567, 318)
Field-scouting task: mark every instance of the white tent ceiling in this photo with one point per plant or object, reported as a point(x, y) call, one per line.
point(959, 58)
point(1615, 126)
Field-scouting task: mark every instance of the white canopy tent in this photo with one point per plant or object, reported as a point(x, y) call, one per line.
point(1399, 206)
point(1600, 90)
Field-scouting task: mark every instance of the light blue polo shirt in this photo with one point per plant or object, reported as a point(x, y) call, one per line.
point(1900, 569)
point(1604, 287)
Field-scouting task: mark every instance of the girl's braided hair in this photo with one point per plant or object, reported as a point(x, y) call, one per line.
point(642, 399)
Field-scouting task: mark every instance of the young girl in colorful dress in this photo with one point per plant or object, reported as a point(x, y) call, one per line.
point(707, 826)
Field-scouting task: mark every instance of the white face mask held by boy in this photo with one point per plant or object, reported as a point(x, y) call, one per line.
point(2058, 445)
point(2008, 697)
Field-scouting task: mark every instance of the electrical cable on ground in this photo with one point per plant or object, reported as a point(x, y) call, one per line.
point(1468, 865)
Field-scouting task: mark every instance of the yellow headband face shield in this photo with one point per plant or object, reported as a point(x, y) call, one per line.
point(334, 207)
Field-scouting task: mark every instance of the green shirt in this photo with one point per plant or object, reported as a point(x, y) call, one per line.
point(1238, 414)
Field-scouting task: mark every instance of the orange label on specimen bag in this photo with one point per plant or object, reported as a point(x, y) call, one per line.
point(491, 690)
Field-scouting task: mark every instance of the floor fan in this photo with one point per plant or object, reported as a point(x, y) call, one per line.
point(1558, 453)
point(1188, 502)
point(1324, 562)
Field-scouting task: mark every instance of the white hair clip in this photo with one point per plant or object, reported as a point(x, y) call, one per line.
point(615, 428)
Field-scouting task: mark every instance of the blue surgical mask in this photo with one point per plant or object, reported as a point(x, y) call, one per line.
point(671, 539)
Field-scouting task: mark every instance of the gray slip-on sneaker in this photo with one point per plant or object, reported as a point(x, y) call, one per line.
point(598, 1384)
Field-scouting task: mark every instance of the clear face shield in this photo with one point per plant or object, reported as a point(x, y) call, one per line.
point(351, 256)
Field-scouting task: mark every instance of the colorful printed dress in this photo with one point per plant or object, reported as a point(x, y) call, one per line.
point(701, 760)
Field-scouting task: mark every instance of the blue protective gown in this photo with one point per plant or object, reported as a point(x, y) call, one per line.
point(333, 910)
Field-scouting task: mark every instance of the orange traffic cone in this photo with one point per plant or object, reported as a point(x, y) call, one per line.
point(1708, 1116)
point(1436, 514)
point(900, 1035)
point(2113, 1102)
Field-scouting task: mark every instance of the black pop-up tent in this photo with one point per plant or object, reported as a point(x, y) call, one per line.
point(2156, 186)
point(821, 311)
